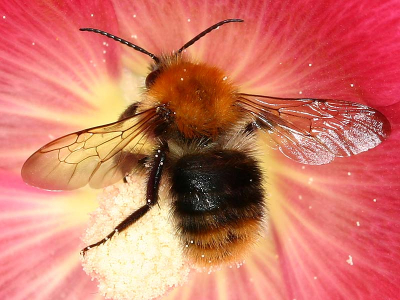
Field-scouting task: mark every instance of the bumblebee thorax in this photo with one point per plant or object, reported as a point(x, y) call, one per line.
point(200, 98)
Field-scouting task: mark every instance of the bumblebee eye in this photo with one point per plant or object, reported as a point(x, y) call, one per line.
point(152, 77)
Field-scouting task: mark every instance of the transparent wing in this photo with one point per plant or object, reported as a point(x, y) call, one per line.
point(99, 156)
point(315, 131)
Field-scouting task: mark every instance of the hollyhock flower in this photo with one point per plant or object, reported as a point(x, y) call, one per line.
point(332, 229)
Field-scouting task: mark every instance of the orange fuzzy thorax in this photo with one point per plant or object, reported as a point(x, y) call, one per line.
point(199, 96)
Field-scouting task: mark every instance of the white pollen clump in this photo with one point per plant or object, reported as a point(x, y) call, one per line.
point(350, 260)
point(142, 262)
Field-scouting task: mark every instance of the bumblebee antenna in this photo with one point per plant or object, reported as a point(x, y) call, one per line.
point(125, 42)
point(208, 30)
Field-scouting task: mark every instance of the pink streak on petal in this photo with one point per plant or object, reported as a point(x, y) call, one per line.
point(173, 23)
point(47, 67)
point(359, 45)
point(20, 137)
point(44, 39)
point(39, 248)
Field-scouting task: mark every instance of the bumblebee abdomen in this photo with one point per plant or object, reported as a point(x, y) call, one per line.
point(218, 204)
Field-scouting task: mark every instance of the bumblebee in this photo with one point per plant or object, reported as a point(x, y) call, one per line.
point(194, 129)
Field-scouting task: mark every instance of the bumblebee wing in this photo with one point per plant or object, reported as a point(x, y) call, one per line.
point(99, 156)
point(315, 131)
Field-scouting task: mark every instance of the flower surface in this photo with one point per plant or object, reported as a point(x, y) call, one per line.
point(333, 229)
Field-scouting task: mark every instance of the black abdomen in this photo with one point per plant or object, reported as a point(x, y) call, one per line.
point(218, 204)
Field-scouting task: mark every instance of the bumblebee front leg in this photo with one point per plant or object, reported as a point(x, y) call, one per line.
point(153, 185)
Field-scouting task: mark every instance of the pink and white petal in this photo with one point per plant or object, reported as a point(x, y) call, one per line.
point(274, 33)
point(335, 226)
point(335, 49)
point(53, 80)
point(284, 48)
point(173, 23)
point(39, 248)
point(259, 277)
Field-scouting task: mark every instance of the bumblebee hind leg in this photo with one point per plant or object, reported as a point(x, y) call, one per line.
point(153, 185)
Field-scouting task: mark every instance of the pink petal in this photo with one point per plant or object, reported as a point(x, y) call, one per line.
point(335, 226)
point(49, 70)
point(283, 48)
point(46, 88)
point(39, 251)
point(346, 43)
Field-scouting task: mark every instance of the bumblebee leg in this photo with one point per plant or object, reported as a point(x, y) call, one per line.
point(153, 185)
